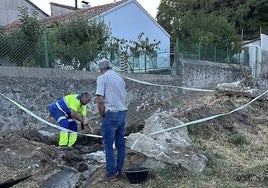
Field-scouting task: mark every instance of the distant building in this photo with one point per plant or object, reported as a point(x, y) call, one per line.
point(58, 9)
point(126, 18)
point(258, 55)
point(9, 10)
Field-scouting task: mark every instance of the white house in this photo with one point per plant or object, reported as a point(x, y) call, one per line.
point(258, 55)
point(127, 19)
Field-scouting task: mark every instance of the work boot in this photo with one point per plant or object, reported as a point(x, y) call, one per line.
point(107, 178)
point(119, 175)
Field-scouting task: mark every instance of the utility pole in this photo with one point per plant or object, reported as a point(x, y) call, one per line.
point(75, 4)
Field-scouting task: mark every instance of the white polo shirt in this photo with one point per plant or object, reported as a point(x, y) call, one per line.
point(113, 88)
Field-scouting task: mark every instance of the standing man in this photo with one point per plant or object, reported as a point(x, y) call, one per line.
point(112, 97)
point(65, 111)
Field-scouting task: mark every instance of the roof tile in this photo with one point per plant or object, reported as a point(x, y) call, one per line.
point(88, 13)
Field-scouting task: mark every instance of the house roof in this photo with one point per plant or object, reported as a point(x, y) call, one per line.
point(89, 13)
point(251, 41)
point(62, 6)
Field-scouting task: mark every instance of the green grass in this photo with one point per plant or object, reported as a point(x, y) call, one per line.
point(237, 139)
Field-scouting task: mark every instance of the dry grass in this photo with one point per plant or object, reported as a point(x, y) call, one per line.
point(236, 158)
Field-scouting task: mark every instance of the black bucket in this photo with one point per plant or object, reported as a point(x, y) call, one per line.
point(137, 174)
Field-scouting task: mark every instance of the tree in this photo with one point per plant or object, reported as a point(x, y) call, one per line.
point(211, 30)
point(252, 18)
point(126, 49)
point(4, 48)
point(143, 46)
point(167, 13)
point(25, 42)
point(191, 21)
point(246, 15)
point(78, 41)
point(30, 29)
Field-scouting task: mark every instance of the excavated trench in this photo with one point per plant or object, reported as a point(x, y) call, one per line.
point(72, 168)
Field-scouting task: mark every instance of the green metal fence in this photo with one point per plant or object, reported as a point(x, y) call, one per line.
point(42, 54)
point(198, 51)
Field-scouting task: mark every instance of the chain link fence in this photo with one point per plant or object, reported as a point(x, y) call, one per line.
point(21, 53)
point(198, 51)
point(41, 54)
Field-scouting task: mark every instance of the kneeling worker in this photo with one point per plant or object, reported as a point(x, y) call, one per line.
point(65, 111)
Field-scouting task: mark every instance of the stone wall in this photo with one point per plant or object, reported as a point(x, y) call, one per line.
point(199, 74)
point(36, 89)
point(87, 80)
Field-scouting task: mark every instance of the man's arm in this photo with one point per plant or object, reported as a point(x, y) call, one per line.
point(101, 106)
point(76, 116)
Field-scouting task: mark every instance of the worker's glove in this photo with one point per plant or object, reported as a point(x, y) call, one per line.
point(84, 121)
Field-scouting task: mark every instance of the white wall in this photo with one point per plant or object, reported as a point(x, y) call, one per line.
point(255, 60)
point(129, 21)
point(264, 42)
point(255, 49)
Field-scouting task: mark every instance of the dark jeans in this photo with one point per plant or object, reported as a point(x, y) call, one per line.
point(113, 130)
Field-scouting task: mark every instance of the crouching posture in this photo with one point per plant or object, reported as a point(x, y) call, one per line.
point(65, 111)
